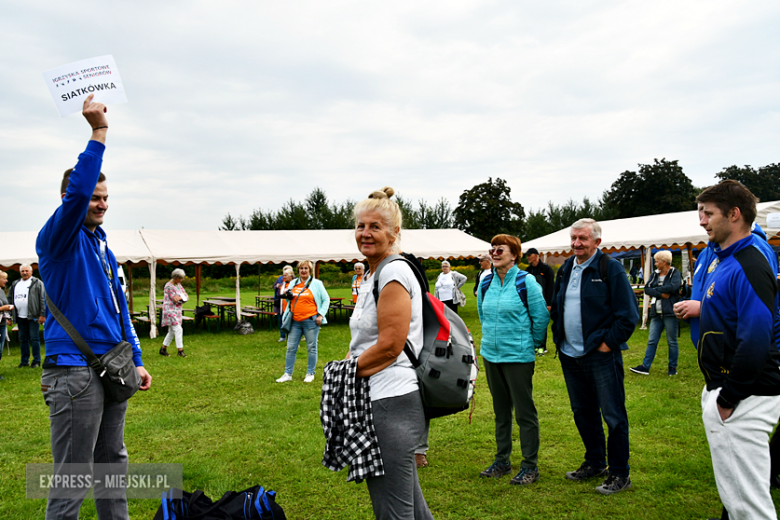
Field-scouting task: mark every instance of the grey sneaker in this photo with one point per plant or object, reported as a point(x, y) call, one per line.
point(641, 369)
point(585, 471)
point(526, 476)
point(497, 470)
point(614, 484)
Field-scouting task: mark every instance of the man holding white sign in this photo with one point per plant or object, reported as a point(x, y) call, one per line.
point(79, 271)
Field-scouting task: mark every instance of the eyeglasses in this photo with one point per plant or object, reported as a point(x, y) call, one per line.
point(496, 250)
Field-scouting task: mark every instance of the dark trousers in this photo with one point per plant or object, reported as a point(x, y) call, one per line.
point(452, 305)
point(29, 336)
point(595, 385)
point(511, 385)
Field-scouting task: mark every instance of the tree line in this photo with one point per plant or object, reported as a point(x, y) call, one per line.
point(487, 209)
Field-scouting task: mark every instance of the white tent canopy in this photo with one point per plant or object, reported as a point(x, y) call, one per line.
point(666, 230)
point(246, 247)
point(249, 247)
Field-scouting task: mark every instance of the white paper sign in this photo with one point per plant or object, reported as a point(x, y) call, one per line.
point(71, 84)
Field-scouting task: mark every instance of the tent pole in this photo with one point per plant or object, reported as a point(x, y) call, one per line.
point(646, 273)
point(238, 293)
point(689, 248)
point(130, 284)
point(153, 298)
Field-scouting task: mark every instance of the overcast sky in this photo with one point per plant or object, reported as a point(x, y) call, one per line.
point(235, 105)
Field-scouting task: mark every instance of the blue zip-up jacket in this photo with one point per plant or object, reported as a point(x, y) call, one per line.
point(737, 348)
point(509, 335)
point(73, 273)
point(609, 310)
point(704, 267)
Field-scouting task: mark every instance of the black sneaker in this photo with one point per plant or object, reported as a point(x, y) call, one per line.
point(35, 365)
point(672, 371)
point(23, 365)
point(641, 369)
point(614, 484)
point(526, 476)
point(497, 470)
point(181, 354)
point(585, 472)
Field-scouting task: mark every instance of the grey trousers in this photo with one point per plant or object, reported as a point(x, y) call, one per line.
point(399, 423)
point(84, 429)
point(511, 385)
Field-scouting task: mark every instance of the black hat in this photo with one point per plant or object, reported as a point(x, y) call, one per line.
point(532, 251)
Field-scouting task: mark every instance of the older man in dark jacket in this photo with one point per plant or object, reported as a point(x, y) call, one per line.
point(593, 315)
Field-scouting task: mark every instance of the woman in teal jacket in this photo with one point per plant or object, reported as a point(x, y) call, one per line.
point(510, 333)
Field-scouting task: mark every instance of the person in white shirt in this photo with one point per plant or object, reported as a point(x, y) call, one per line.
point(448, 286)
point(28, 296)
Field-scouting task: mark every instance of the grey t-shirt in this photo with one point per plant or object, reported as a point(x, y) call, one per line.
point(399, 378)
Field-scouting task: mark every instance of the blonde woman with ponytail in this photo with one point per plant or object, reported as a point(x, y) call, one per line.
point(379, 331)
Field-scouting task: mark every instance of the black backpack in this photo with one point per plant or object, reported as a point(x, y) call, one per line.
point(254, 503)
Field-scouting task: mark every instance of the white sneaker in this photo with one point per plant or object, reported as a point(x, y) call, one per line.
point(281, 339)
point(286, 377)
point(309, 378)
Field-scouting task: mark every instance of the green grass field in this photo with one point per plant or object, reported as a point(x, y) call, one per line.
point(220, 414)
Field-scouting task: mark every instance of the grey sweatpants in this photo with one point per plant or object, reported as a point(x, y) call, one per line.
point(84, 429)
point(399, 423)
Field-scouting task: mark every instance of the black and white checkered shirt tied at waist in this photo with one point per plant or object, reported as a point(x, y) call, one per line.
point(348, 423)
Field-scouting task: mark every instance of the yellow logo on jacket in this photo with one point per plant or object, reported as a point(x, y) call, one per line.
point(711, 290)
point(713, 265)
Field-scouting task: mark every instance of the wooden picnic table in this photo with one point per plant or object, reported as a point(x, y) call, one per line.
point(265, 303)
point(221, 305)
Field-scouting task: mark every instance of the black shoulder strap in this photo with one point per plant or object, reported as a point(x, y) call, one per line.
point(68, 327)
point(604, 268)
point(423, 286)
point(759, 274)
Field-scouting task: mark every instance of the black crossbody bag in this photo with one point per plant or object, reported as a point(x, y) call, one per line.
point(115, 368)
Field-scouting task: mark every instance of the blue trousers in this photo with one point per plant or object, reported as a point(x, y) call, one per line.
point(657, 324)
point(308, 328)
point(29, 337)
point(595, 385)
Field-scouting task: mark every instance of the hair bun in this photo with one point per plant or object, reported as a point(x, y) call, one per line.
point(384, 193)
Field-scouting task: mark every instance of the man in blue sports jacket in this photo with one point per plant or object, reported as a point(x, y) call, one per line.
point(79, 272)
point(737, 353)
point(690, 310)
point(592, 321)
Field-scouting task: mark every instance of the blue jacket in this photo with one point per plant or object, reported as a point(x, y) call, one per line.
point(737, 348)
point(320, 297)
point(671, 286)
point(73, 273)
point(508, 334)
point(609, 310)
point(704, 267)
